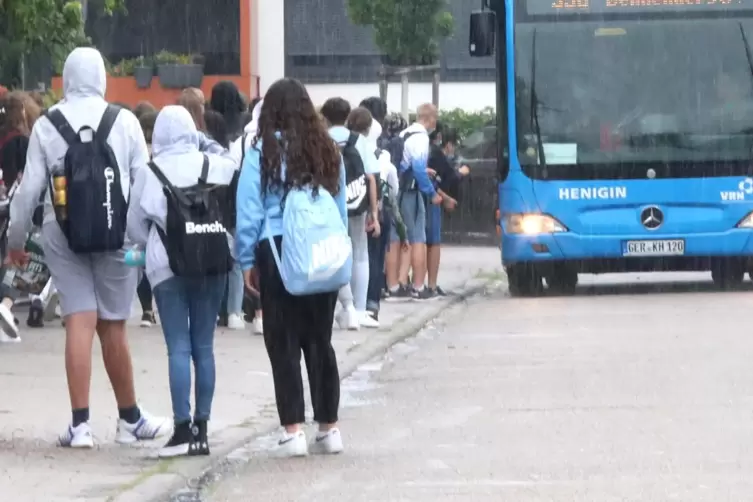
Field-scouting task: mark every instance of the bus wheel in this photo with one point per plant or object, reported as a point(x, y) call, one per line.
point(728, 274)
point(524, 281)
point(562, 281)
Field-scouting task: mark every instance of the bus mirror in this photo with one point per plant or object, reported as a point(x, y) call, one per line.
point(482, 38)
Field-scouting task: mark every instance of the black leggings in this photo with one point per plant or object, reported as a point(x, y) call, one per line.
point(144, 291)
point(293, 324)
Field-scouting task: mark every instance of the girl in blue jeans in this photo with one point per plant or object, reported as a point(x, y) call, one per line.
point(188, 306)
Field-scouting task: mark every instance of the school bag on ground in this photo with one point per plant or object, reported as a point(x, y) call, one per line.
point(194, 236)
point(95, 213)
point(316, 249)
point(356, 189)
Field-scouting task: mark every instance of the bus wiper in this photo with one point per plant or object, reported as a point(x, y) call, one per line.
point(748, 55)
point(534, 119)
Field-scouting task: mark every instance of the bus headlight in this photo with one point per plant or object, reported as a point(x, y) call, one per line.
point(746, 222)
point(532, 224)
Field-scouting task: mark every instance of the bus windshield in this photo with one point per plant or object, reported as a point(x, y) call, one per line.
point(610, 92)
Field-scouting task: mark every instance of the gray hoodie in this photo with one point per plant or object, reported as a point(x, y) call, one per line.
point(84, 81)
point(175, 149)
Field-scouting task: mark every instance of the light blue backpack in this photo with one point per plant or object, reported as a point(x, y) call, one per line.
point(316, 250)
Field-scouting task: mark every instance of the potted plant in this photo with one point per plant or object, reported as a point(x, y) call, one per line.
point(143, 72)
point(178, 71)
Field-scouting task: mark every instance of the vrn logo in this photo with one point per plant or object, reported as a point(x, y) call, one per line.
point(745, 188)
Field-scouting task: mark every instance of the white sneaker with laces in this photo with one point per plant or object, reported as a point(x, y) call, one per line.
point(367, 321)
point(77, 437)
point(236, 322)
point(327, 443)
point(258, 326)
point(348, 319)
point(8, 322)
point(145, 429)
point(292, 445)
point(4, 338)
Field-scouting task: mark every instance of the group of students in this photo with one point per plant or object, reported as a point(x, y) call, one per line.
point(300, 209)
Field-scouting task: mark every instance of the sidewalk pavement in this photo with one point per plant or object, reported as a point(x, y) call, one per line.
point(34, 405)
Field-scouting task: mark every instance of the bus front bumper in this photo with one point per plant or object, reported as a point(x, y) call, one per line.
point(605, 253)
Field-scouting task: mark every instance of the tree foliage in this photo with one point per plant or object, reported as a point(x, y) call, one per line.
point(408, 32)
point(50, 27)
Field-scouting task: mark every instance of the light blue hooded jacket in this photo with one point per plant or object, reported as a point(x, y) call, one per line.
point(254, 207)
point(175, 150)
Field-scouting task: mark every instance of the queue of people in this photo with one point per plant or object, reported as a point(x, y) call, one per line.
point(274, 209)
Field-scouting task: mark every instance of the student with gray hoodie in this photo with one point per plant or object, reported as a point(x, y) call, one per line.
point(96, 290)
point(188, 306)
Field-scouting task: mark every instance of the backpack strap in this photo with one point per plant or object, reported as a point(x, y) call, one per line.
point(204, 171)
point(58, 120)
point(108, 120)
point(352, 139)
point(243, 149)
point(178, 194)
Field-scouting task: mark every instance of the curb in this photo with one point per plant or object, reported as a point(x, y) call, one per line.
point(162, 484)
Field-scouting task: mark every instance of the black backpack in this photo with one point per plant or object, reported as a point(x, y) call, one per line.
point(195, 237)
point(407, 179)
point(232, 190)
point(356, 188)
point(96, 208)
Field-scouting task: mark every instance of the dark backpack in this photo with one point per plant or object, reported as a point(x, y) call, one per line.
point(407, 179)
point(232, 190)
point(96, 210)
point(356, 188)
point(195, 237)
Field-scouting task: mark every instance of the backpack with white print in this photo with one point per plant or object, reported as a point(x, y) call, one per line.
point(356, 188)
point(316, 250)
point(95, 207)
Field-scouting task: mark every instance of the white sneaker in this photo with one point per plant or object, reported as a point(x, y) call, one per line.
point(348, 319)
point(327, 443)
point(367, 321)
point(292, 445)
point(258, 326)
point(236, 322)
point(77, 437)
point(7, 339)
point(8, 322)
point(146, 429)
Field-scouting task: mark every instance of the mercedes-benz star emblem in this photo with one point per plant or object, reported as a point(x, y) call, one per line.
point(652, 217)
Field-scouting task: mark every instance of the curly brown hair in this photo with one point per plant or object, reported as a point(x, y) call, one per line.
point(311, 156)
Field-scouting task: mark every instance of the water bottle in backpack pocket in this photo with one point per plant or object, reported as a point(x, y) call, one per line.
point(86, 190)
point(316, 250)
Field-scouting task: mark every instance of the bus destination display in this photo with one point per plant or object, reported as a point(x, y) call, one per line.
point(543, 7)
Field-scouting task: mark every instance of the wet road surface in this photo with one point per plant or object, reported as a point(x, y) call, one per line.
point(636, 393)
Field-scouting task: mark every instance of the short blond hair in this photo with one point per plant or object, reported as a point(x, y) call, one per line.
point(426, 111)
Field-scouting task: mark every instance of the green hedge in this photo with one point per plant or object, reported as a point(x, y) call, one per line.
point(465, 122)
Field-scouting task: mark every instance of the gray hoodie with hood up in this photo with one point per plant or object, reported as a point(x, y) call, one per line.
point(84, 82)
point(175, 149)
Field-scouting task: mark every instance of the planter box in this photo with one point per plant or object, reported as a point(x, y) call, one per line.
point(180, 76)
point(143, 76)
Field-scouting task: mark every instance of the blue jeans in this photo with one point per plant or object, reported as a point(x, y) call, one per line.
point(188, 309)
point(413, 210)
point(235, 290)
point(377, 252)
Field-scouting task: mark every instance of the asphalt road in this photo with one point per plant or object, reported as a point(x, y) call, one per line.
point(629, 393)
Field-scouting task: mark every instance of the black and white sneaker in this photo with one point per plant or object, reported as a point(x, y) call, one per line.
point(36, 314)
point(148, 320)
point(402, 293)
point(179, 443)
point(199, 439)
point(423, 294)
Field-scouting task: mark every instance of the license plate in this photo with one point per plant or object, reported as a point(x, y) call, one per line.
point(669, 247)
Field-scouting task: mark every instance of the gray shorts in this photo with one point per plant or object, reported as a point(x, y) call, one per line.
point(413, 211)
point(98, 282)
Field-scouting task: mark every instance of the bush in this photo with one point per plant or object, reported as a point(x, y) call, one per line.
point(467, 122)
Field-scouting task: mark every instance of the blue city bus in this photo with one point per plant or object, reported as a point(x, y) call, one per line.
point(626, 137)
